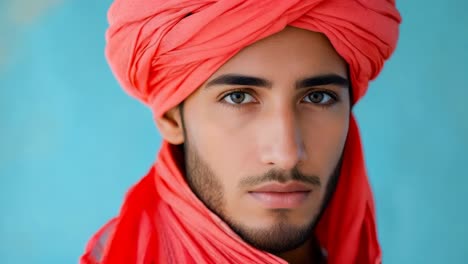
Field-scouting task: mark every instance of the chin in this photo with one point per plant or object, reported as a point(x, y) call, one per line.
point(276, 237)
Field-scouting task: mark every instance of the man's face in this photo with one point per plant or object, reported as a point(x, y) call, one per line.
point(265, 134)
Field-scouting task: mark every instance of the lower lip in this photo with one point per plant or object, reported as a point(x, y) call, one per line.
point(280, 200)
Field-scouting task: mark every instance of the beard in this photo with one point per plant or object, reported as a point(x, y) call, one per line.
point(277, 238)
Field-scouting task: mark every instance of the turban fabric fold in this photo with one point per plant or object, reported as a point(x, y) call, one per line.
point(161, 51)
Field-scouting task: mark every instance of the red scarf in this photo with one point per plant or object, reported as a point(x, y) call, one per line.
point(161, 51)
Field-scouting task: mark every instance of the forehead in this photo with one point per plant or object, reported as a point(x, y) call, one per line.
point(292, 52)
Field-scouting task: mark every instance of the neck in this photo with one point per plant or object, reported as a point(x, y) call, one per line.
point(309, 252)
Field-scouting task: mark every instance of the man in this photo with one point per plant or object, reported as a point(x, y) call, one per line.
point(261, 160)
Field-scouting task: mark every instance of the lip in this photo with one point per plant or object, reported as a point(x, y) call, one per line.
point(281, 196)
point(283, 188)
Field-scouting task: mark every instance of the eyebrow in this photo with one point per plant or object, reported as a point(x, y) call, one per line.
point(237, 79)
point(244, 80)
point(327, 79)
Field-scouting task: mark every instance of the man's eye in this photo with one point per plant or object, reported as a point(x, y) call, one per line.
point(322, 98)
point(237, 98)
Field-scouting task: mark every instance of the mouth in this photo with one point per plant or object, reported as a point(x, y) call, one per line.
point(281, 196)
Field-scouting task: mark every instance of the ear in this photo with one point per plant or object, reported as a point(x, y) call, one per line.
point(171, 127)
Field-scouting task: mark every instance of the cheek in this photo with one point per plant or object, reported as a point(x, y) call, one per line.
point(221, 141)
point(324, 139)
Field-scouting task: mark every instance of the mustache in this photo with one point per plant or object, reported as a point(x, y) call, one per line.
point(280, 176)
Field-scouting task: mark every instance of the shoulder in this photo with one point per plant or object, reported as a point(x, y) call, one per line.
point(97, 244)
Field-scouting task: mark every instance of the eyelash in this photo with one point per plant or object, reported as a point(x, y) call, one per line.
point(334, 97)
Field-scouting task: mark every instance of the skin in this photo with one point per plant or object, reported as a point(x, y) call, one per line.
point(239, 134)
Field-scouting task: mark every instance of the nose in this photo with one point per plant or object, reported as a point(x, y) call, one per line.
point(282, 142)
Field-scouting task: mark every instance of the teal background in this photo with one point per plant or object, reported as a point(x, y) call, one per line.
point(72, 142)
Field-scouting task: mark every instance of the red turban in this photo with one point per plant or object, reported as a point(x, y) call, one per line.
point(162, 51)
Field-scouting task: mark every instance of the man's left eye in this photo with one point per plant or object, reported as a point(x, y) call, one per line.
point(317, 97)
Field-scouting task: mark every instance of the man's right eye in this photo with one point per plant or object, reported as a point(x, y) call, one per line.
point(237, 98)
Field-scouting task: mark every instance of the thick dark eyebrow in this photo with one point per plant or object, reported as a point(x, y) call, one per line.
point(242, 80)
point(328, 79)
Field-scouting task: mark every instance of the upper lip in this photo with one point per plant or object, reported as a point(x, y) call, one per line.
point(283, 187)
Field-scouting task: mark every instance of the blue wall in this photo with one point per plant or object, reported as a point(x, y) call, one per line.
point(71, 142)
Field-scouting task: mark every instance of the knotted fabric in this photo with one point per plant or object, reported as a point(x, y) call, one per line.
point(161, 51)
